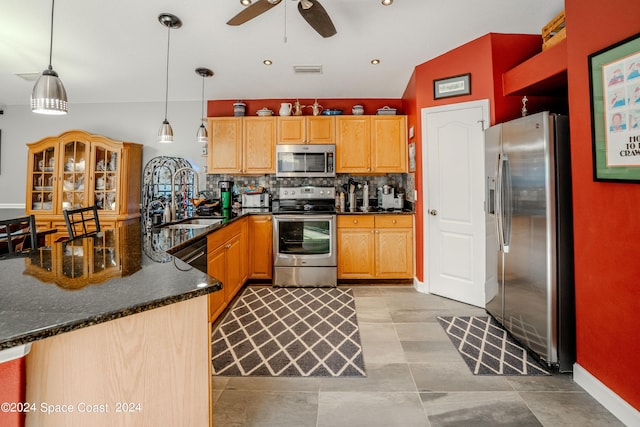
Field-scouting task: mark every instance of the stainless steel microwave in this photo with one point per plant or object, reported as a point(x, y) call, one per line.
point(305, 160)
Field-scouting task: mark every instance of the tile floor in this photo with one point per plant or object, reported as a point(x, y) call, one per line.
point(415, 377)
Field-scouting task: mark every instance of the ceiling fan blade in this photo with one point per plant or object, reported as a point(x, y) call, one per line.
point(250, 12)
point(318, 18)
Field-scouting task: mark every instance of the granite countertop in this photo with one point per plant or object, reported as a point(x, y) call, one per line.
point(75, 284)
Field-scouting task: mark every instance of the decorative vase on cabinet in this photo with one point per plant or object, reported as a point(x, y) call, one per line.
point(78, 169)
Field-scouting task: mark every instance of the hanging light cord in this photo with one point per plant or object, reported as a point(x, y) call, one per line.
point(202, 105)
point(166, 89)
point(51, 35)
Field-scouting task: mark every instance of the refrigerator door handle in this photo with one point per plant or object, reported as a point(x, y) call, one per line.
point(503, 203)
point(507, 207)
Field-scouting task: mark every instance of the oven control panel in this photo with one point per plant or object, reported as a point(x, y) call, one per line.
point(307, 192)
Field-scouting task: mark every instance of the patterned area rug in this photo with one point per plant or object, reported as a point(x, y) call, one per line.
point(487, 348)
point(289, 332)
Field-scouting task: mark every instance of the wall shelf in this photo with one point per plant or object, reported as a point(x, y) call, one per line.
point(544, 74)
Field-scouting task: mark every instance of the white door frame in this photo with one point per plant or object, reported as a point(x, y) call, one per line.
point(424, 286)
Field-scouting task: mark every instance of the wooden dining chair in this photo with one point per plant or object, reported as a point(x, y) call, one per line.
point(17, 235)
point(82, 221)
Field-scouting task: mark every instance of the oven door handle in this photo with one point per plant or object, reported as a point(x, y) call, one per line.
point(289, 218)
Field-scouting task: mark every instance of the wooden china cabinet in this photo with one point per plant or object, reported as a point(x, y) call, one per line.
point(78, 169)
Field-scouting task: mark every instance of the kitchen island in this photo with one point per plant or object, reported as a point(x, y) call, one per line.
point(115, 338)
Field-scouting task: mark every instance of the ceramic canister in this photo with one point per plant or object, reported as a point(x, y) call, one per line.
point(357, 110)
point(239, 108)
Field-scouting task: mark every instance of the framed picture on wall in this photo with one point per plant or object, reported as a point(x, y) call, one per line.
point(452, 86)
point(412, 156)
point(614, 80)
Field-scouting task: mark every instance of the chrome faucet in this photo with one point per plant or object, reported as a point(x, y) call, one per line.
point(196, 189)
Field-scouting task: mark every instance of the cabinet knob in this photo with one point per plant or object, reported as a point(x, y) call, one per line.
point(355, 221)
point(394, 221)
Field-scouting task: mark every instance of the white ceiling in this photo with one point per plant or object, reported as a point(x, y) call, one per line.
point(115, 50)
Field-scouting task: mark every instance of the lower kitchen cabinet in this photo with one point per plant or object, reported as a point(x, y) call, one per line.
point(375, 246)
point(261, 247)
point(356, 247)
point(227, 261)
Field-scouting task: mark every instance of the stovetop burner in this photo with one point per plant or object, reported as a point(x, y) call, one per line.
point(306, 200)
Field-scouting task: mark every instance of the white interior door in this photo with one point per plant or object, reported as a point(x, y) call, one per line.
point(454, 200)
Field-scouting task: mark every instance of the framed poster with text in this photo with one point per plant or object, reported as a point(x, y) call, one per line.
point(614, 77)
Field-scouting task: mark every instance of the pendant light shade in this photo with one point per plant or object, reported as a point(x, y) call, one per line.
point(48, 95)
point(202, 136)
point(165, 134)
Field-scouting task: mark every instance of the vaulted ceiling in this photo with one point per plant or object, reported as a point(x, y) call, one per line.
point(115, 51)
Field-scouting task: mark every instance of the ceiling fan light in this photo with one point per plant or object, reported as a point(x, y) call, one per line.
point(165, 134)
point(245, 2)
point(306, 4)
point(48, 95)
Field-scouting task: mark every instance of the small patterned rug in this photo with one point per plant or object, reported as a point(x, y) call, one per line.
point(488, 349)
point(306, 332)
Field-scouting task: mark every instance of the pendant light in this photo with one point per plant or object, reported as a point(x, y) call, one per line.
point(48, 95)
point(202, 137)
point(165, 134)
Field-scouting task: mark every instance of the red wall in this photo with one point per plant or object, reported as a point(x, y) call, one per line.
point(607, 231)
point(12, 389)
point(486, 58)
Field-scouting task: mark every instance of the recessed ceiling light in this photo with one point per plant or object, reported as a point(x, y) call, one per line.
point(386, 2)
point(375, 61)
point(245, 2)
point(267, 62)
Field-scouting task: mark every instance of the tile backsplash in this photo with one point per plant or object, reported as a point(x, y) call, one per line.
point(400, 182)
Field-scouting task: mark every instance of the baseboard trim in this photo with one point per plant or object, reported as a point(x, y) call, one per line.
point(606, 397)
point(420, 286)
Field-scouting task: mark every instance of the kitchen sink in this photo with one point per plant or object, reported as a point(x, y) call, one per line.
point(193, 223)
point(202, 221)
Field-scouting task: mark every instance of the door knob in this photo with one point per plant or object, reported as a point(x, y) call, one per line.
point(433, 212)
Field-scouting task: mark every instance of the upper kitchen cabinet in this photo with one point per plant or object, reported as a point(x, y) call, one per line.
point(371, 144)
point(306, 130)
point(242, 145)
point(225, 144)
point(78, 169)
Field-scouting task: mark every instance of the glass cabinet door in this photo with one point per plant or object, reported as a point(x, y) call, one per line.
point(41, 193)
point(74, 175)
point(105, 177)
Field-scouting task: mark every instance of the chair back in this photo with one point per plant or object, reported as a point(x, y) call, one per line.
point(82, 221)
point(17, 235)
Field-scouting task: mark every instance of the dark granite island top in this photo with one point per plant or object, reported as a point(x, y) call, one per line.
point(75, 284)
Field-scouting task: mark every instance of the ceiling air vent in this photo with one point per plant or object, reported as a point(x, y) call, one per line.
point(30, 77)
point(307, 69)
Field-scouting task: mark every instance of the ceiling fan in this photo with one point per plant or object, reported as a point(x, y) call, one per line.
point(311, 10)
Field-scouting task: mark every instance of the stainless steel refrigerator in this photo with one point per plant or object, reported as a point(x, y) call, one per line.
point(530, 235)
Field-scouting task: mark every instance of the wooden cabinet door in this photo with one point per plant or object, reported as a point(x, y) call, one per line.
point(104, 177)
point(394, 246)
point(261, 248)
point(235, 274)
point(259, 149)
point(43, 175)
point(353, 139)
point(356, 247)
point(225, 145)
point(291, 130)
point(320, 129)
point(74, 187)
point(217, 267)
point(389, 144)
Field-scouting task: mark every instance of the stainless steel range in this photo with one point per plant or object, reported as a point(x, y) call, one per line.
point(304, 237)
